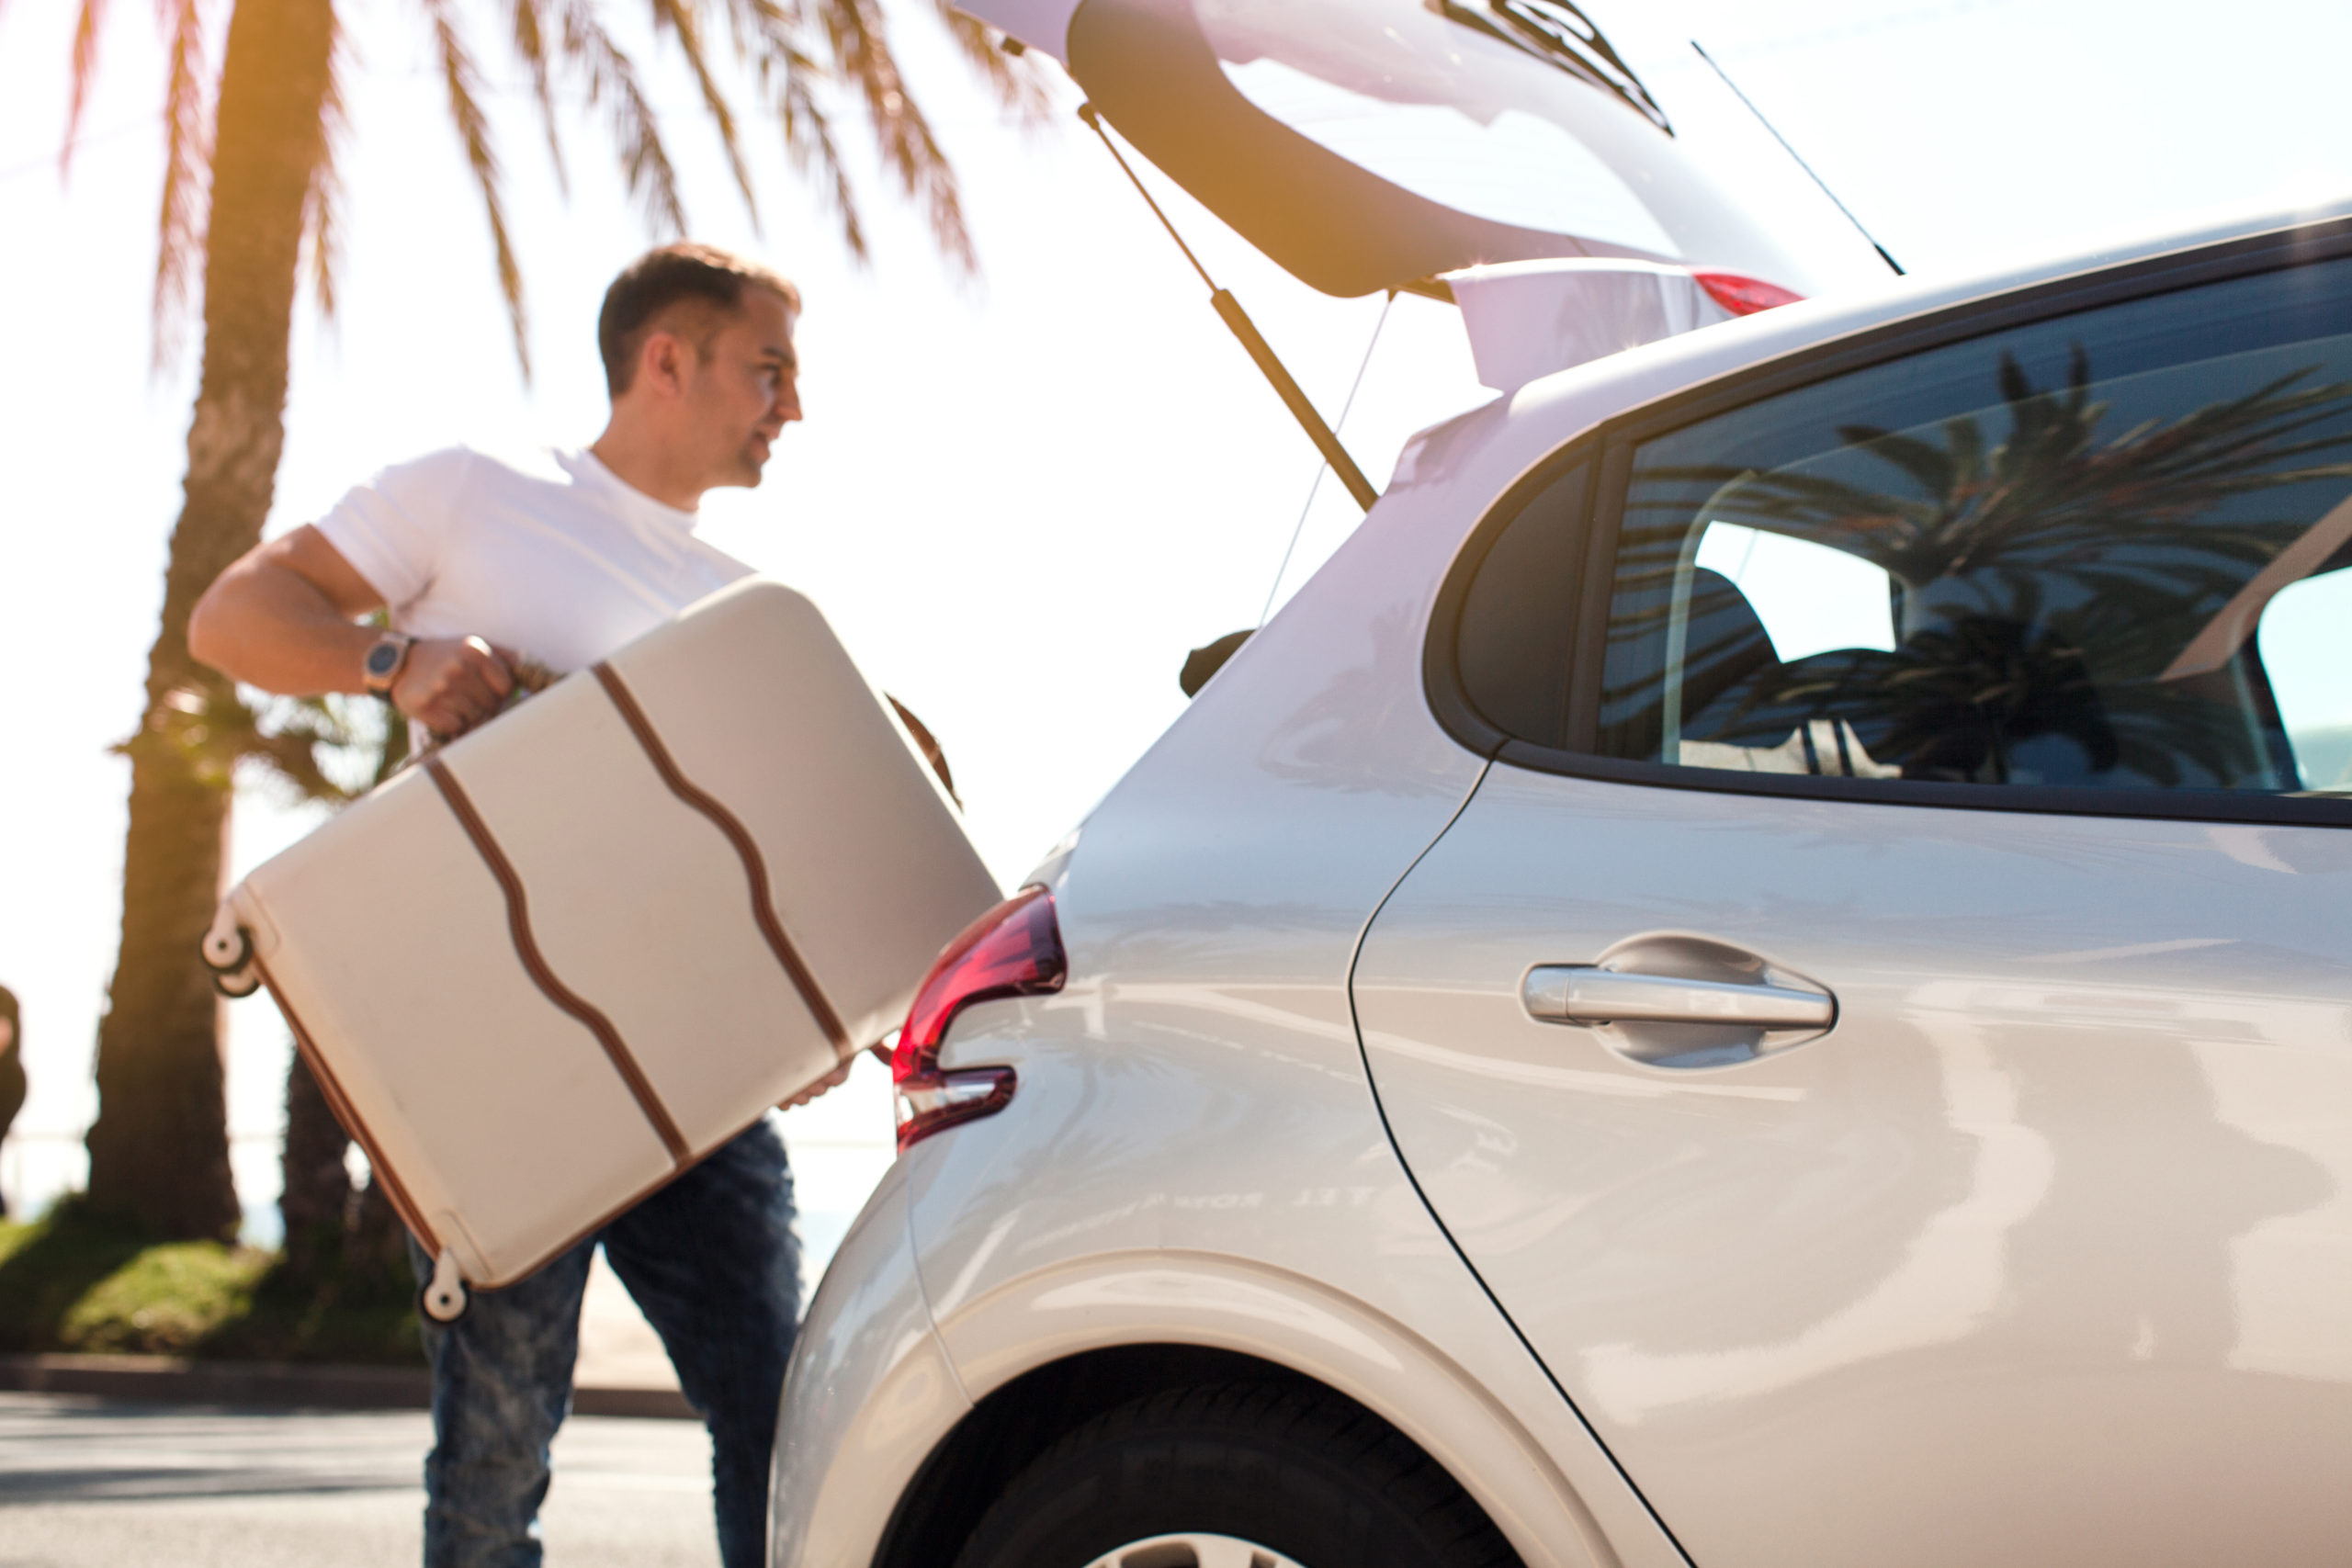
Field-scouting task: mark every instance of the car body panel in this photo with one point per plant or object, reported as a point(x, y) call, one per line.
point(1197, 1087)
point(869, 1393)
point(2059, 1201)
point(1271, 1217)
point(1041, 25)
point(1194, 1110)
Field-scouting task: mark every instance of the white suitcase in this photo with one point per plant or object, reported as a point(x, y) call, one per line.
point(552, 965)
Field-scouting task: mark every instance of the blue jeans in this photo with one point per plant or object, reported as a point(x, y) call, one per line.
point(714, 1264)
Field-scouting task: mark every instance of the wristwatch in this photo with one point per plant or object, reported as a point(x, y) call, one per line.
point(382, 665)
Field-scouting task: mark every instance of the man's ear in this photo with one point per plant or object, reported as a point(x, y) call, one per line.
point(665, 361)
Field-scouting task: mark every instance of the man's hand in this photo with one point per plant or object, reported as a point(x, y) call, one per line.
point(840, 1075)
point(450, 684)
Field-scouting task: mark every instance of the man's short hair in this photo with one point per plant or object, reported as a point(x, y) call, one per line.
point(667, 276)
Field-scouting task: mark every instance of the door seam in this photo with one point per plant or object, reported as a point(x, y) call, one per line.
point(1355, 955)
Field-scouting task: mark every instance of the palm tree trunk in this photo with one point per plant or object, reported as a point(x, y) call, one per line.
point(159, 1151)
point(317, 1187)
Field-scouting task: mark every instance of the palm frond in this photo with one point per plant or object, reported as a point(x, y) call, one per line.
point(463, 80)
point(764, 31)
point(287, 737)
point(1019, 86)
point(862, 56)
point(323, 202)
point(187, 168)
point(613, 83)
point(808, 141)
point(87, 27)
point(678, 16)
point(768, 35)
point(212, 730)
point(531, 43)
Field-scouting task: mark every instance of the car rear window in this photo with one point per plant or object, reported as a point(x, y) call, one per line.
point(2106, 551)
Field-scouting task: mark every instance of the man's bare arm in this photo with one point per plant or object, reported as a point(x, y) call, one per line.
point(283, 617)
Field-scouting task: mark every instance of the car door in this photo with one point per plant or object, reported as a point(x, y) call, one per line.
point(1882, 1028)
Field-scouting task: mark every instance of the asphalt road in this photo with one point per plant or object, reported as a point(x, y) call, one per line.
point(89, 1483)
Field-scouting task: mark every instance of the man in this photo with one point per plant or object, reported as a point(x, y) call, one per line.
point(486, 568)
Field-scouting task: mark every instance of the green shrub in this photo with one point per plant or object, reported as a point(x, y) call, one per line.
point(74, 1282)
point(166, 1300)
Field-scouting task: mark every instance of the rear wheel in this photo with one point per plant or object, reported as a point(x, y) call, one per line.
point(1191, 1550)
point(1238, 1475)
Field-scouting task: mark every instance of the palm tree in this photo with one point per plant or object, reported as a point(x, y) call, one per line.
point(249, 190)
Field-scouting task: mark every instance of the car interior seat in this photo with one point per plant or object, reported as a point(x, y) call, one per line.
point(1725, 648)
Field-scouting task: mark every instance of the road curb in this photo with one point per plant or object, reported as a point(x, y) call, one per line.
point(170, 1379)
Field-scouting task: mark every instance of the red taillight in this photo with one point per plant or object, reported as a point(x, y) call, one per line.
point(1014, 950)
point(1743, 296)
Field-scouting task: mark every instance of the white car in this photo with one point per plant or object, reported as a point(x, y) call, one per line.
point(1759, 971)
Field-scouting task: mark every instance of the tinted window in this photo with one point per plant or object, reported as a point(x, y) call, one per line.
point(1512, 647)
point(2106, 551)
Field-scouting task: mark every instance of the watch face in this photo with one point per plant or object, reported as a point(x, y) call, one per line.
point(383, 658)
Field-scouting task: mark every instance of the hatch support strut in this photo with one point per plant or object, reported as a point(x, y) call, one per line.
point(1326, 439)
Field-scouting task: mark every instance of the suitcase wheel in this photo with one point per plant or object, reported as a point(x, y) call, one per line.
point(229, 953)
point(444, 1298)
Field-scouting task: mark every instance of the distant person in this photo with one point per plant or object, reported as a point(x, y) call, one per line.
point(489, 569)
point(12, 1070)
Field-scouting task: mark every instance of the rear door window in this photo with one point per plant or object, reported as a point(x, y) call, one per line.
point(2104, 551)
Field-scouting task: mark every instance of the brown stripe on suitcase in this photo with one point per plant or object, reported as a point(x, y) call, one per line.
point(379, 1170)
point(747, 849)
point(526, 947)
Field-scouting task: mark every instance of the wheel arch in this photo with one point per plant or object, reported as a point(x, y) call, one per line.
point(1044, 1353)
point(978, 1458)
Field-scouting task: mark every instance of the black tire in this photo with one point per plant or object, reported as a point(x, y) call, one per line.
point(1291, 1470)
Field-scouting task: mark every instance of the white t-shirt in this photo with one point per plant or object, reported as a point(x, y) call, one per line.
point(560, 560)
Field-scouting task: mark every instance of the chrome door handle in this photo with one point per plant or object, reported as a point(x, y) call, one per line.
point(1579, 993)
point(1681, 1001)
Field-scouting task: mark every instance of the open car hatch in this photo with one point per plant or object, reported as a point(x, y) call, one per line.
point(1366, 145)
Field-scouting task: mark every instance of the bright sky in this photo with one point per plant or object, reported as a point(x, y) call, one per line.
point(1021, 501)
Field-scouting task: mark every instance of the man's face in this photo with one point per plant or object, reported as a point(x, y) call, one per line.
point(741, 392)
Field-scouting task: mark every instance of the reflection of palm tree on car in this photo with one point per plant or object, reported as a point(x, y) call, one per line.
point(2042, 585)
